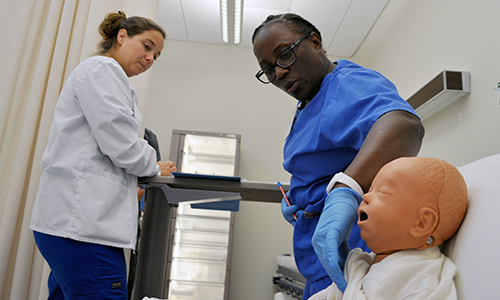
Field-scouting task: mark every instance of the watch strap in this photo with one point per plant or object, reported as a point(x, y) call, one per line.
point(345, 179)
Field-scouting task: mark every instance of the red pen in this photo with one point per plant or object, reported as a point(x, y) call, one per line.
point(286, 198)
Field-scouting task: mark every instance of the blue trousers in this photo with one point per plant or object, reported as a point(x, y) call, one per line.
point(81, 270)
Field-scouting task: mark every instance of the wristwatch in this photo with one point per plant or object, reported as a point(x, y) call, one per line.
point(345, 179)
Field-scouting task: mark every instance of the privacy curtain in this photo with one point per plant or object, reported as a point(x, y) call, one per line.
point(42, 42)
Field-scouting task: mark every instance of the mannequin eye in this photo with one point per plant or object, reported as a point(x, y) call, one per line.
point(384, 190)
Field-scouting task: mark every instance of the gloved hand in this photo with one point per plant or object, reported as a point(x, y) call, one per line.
point(332, 232)
point(288, 211)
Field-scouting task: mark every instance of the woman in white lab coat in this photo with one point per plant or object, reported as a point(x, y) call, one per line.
point(85, 211)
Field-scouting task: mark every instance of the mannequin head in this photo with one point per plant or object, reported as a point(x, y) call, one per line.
point(413, 203)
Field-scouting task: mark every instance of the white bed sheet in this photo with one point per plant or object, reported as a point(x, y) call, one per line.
point(474, 249)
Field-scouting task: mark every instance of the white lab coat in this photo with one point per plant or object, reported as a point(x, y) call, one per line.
point(88, 188)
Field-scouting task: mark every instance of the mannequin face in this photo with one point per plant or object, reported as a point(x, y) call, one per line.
point(391, 209)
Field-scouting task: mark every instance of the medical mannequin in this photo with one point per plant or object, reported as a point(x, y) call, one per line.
point(413, 206)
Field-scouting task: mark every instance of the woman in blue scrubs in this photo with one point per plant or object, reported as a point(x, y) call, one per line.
point(350, 121)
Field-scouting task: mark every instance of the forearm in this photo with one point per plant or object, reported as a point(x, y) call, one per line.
point(395, 134)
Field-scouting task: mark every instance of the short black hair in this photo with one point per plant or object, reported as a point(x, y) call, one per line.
point(292, 21)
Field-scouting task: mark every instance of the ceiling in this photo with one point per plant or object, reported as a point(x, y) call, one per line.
point(343, 24)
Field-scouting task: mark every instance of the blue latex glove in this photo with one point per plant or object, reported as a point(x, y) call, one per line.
point(288, 211)
point(332, 232)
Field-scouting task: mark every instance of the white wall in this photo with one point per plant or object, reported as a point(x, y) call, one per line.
point(212, 88)
point(414, 41)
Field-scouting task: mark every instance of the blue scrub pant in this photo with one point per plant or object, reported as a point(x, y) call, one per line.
point(81, 270)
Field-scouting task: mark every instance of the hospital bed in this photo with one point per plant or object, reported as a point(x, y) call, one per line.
point(288, 279)
point(474, 249)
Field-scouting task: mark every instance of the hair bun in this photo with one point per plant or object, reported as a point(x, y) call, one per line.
point(116, 21)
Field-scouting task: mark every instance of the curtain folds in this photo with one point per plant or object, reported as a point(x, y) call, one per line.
point(43, 43)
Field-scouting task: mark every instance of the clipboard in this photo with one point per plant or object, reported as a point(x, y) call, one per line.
point(204, 176)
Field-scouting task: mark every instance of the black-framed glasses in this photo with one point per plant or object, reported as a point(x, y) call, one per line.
point(284, 60)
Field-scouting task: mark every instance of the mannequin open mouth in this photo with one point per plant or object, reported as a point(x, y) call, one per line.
point(363, 216)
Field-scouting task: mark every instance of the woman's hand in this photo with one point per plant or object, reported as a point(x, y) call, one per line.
point(290, 213)
point(332, 232)
point(167, 167)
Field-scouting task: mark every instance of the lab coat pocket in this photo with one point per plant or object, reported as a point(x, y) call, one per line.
point(104, 209)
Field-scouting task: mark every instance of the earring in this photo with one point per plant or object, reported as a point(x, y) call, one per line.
point(430, 240)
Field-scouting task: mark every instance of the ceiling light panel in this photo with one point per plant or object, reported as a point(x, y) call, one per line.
point(238, 15)
point(224, 20)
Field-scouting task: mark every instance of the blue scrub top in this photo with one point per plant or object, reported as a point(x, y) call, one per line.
point(325, 137)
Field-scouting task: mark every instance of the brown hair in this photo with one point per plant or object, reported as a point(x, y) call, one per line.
point(114, 22)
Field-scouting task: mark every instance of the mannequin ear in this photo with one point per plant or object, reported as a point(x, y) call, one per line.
point(425, 224)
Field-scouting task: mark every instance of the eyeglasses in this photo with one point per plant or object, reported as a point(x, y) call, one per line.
point(284, 60)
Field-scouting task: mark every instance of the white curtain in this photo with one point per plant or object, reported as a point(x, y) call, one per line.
point(42, 42)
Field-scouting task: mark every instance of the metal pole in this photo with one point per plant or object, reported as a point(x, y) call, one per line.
point(152, 260)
